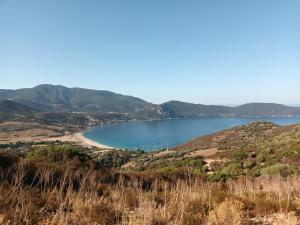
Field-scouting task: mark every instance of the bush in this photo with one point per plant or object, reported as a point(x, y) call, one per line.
point(279, 169)
point(232, 170)
point(230, 212)
point(238, 155)
point(249, 164)
point(55, 153)
point(205, 169)
point(7, 159)
point(218, 176)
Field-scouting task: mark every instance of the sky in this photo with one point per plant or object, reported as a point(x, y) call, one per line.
point(204, 51)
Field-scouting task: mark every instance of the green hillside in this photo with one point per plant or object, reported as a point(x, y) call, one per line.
point(183, 109)
point(59, 98)
point(12, 107)
point(55, 98)
point(256, 149)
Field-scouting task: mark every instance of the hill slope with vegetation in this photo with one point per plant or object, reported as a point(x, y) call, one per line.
point(56, 98)
point(257, 149)
point(59, 98)
point(183, 109)
point(255, 181)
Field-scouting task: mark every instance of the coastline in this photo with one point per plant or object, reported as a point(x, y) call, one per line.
point(48, 135)
point(80, 139)
point(90, 143)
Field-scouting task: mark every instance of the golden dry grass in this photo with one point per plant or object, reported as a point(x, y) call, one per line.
point(31, 194)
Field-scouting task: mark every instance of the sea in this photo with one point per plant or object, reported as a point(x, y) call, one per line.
point(168, 133)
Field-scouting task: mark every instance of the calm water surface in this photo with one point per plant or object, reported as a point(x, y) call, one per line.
point(153, 135)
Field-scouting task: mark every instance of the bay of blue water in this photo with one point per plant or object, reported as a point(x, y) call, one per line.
point(153, 135)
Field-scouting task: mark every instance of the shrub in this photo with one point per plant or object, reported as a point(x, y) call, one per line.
point(7, 159)
point(279, 169)
point(232, 170)
point(55, 153)
point(205, 169)
point(195, 212)
point(218, 176)
point(230, 212)
point(248, 164)
point(238, 155)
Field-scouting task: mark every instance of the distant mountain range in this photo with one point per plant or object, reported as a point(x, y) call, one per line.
point(55, 98)
point(183, 109)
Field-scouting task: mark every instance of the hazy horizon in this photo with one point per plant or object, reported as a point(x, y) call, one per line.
point(208, 52)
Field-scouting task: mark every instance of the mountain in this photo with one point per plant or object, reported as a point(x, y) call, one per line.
point(265, 109)
point(11, 107)
point(183, 109)
point(56, 98)
point(10, 110)
point(59, 98)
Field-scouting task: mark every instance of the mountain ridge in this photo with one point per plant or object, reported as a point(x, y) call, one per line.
point(184, 109)
point(58, 98)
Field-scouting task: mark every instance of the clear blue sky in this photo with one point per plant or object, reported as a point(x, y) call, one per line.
point(209, 51)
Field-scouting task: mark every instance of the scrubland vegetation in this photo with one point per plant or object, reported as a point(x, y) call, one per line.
point(62, 184)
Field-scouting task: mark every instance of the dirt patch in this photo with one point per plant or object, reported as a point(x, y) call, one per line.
point(203, 153)
point(129, 165)
point(12, 131)
point(165, 152)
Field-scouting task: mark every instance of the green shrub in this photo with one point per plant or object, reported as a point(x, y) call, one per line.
point(218, 176)
point(205, 169)
point(238, 155)
point(232, 170)
point(279, 169)
point(249, 164)
point(55, 153)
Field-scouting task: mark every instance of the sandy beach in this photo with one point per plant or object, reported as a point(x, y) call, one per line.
point(80, 139)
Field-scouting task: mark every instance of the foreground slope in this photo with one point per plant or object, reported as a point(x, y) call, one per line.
point(62, 183)
point(255, 149)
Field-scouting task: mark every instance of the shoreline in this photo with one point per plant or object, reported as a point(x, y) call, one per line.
point(36, 135)
point(90, 142)
point(81, 138)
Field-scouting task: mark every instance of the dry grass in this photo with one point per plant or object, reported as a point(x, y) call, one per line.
point(31, 194)
point(229, 212)
point(280, 219)
point(14, 131)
